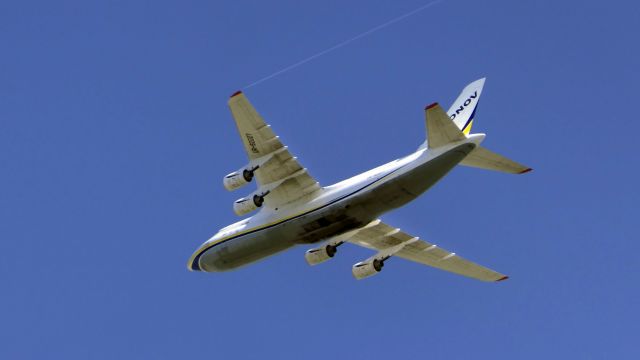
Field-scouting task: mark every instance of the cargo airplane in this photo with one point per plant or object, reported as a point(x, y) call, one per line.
point(294, 209)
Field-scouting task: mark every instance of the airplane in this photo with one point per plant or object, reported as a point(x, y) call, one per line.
point(294, 209)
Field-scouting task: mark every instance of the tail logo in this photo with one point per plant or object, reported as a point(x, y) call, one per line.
point(464, 105)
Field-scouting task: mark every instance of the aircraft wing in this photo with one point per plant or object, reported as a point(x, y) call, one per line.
point(278, 171)
point(394, 242)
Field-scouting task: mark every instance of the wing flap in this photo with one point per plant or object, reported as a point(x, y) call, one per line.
point(293, 188)
point(434, 256)
point(381, 237)
point(260, 143)
point(281, 165)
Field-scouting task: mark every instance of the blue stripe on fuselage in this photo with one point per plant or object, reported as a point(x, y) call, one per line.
point(196, 266)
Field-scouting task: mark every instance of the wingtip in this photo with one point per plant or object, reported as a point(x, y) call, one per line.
point(502, 278)
point(431, 106)
point(525, 171)
point(236, 93)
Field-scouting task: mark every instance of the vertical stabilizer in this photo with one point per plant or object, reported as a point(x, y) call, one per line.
point(440, 129)
point(464, 108)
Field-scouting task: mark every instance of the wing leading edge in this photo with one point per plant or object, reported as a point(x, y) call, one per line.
point(384, 238)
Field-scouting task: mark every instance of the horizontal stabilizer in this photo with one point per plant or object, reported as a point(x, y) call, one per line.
point(441, 130)
point(486, 159)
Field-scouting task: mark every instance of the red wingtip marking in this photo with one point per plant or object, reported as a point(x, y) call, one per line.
point(432, 105)
point(236, 93)
point(525, 170)
point(503, 278)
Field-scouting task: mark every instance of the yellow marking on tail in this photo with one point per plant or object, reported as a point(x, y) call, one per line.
point(467, 129)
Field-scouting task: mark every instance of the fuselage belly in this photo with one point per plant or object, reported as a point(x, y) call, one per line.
point(367, 197)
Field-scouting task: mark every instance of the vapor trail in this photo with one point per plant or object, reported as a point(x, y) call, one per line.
point(346, 42)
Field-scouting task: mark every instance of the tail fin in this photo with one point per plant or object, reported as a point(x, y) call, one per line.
point(463, 110)
point(486, 159)
point(440, 129)
point(444, 128)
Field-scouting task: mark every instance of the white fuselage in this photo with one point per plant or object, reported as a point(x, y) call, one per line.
point(338, 208)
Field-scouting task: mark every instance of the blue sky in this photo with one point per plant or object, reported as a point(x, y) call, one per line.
point(115, 135)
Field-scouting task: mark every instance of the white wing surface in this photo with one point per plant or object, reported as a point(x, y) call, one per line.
point(278, 171)
point(483, 158)
point(394, 242)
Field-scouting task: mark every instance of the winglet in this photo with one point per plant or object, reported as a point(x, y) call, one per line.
point(502, 278)
point(236, 93)
point(431, 106)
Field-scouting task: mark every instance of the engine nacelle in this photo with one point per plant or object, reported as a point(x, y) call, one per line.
point(365, 269)
point(243, 206)
point(248, 204)
point(238, 179)
point(320, 255)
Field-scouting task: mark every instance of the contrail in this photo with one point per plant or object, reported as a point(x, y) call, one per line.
point(346, 42)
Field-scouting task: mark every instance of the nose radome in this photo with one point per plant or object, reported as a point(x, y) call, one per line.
point(193, 263)
point(196, 262)
point(210, 261)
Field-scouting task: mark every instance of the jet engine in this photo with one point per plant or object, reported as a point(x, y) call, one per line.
point(238, 179)
point(248, 204)
point(365, 269)
point(321, 254)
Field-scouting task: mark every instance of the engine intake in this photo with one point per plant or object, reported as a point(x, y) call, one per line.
point(364, 269)
point(244, 206)
point(321, 254)
point(247, 204)
point(238, 179)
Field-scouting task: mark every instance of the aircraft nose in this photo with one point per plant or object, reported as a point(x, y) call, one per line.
point(194, 264)
point(195, 261)
point(207, 261)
